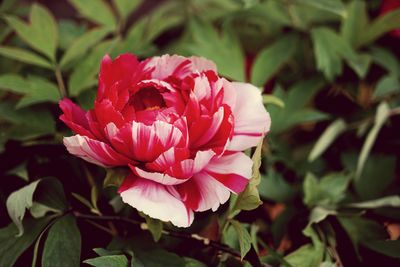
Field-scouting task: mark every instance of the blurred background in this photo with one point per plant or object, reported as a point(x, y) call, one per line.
point(329, 72)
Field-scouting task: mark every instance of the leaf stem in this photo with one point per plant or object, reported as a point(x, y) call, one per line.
point(60, 82)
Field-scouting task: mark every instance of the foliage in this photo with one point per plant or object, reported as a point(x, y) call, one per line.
point(330, 73)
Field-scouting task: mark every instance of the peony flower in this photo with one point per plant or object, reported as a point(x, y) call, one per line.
point(177, 126)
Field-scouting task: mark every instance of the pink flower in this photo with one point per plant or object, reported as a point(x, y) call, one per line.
point(177, 125)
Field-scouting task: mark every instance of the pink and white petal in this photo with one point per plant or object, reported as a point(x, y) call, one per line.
point(233, 170)
point(156, 201)
point(168, 134)
point(203, 192)
point(252, 121)
point(187, 168)
point(75, 117)
point(161, 178)
point(202, 64)
point(168, 159)
point(167, 65)
point(94, 151)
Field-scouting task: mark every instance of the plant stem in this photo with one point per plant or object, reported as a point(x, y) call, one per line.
point(182, 235)
point(60, 82)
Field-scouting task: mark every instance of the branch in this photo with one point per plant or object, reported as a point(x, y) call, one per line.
point(182, 235)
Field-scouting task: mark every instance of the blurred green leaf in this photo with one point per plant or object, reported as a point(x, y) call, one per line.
point(305, 256)
point(42, 32)
point(334, 6)
point(387, 85)
point(155, 226)
point(12, 246)
point(318, 214)
point(380, 26)
point(355, 22)
point(69, 31)
point(125, 8)
point(63, 244)
point(83, 75)
point(377, 165)
point(81, 45)
point(272, 58)
point(271, 99)
point(243, 237)
point(207, 42)
point(327, 138)
point(274, 187)
point(362, 231)
point(295, 110)
point(27, 122)
point(385, 59)
point(18, 202)
point(189, 262)
point(389, 201)
point(158, 258)
point(108, 261)
point(382, 114)
point(24, 56)
point(390, 248)
point(97, 11)
point(327, 191)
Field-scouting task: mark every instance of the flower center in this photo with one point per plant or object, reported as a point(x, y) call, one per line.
point(147, 98)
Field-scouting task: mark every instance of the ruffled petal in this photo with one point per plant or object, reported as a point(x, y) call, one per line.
point(203, 192)
point(233, 170)
point(75, 118)
point(252, 121)
point(155, 200)
point(94, 151)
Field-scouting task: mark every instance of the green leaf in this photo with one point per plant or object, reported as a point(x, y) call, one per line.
point(69, 31)
point(18, 202)
point(295, 110)
point(34, 89)
point(354, 24)
point(154, 226)
point(318, 214)
point(12, 247)
point(328, 191)
point(387, 85)
point(207, 42)
point(334, 6)
point(81, 45)
point(390, 248)
point(380, 26)
point(271, 99)
point(158, 258)
point(243, 237)
point(272, 58)
point(362, 231)
point(27, 123)
point(83, 75)
point(382, 166)
point(327, 138)
point(24, 56)
point(97, 11)
point(50, 192)
point(114, 177)
point(189, 262)
point(63, 244)
point(249, 199)
point(386, 59)
point(274, 187)
point(382, 114)
point(389, 201)
point(108, 261)
point(305, 256)
point(42, 32)
point(125, 8)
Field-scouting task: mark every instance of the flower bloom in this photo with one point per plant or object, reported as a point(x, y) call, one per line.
point(177, 125)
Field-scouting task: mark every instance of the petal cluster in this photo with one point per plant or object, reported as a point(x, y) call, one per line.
point(177, 126)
